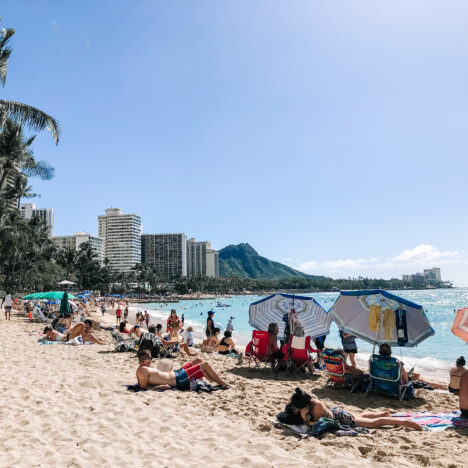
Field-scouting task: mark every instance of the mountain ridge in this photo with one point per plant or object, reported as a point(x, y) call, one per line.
point(243, 261)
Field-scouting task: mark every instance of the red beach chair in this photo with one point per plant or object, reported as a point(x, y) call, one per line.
point(258, 349)
point(298, 353)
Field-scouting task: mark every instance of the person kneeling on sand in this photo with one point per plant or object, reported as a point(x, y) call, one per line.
point(150, 335)
point(311, 411)
point(80, 329)
point(179, 379)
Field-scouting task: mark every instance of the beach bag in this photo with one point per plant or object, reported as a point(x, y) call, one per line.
point(322, 426)
point(123, 346)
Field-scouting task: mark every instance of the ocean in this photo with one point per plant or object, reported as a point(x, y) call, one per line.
point(433, 357)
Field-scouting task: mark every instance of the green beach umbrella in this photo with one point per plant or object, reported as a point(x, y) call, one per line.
point(49, 295)
point(64, 306)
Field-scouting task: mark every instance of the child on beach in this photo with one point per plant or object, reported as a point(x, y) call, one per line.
point(147, 318)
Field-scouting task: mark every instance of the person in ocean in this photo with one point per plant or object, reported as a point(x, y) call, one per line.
point(311, 410)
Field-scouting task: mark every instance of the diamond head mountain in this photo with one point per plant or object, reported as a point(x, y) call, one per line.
point(243, 261)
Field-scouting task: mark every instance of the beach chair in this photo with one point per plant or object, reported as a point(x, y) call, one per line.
point(336, 370)
point(298, 354)
point(385, 378)
point(258, 349)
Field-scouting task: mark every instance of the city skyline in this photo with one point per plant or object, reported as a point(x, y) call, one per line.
point(337, 150)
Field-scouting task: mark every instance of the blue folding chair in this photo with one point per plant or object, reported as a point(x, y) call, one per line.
point(385, 378)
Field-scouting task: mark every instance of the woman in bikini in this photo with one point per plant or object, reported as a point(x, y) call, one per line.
point(226, 345)
point(311, 411)
point(173, 325)
point(455, 374)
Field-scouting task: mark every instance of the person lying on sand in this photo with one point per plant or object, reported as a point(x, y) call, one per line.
point(80, 329)
point(179, 379)
point(312, 410)
point(183, 347)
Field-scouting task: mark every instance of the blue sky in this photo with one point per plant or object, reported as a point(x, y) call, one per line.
point(331, 136)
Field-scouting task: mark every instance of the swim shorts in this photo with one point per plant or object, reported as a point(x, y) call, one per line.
point(187, 373)
point(343, 417)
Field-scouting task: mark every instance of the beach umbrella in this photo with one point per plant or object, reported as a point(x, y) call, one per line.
point(313, 318)
point(48, 295)
point(460, 324)
point(64, 306)
point(66, 282)
point(378, 317)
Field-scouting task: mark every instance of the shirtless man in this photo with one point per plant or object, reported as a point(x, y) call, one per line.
point(463, 394)
point(180, 379)
point(312, 410)
point(80, 329)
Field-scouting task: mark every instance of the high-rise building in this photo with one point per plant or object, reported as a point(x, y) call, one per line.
point(122, 238)
point(165, 253)
point(28, 210)
point(202, 260)
point(74, 242)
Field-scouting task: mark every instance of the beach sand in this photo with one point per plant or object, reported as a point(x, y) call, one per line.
point(67, 406)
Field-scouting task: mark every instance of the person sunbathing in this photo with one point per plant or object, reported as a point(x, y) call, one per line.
point(227, 345)
point(80, 329)
point(311, 411)
point(183, 347)
point(179, 379)
point(455, 375)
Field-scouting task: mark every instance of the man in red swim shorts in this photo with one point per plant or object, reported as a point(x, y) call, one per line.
point(180, 379)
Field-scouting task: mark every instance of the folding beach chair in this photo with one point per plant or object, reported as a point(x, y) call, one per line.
point(336, 370)
point(298, 354)
point(385, 377)
point(258, 349)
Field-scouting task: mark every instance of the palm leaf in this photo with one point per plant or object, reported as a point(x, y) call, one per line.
point(40, 169)
point(5, 52)
point(34, 118)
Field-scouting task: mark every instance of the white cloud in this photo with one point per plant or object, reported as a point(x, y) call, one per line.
point(422, 256)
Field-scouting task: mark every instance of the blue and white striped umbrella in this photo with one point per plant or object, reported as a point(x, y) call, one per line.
point(408, 326)
point(312, 316)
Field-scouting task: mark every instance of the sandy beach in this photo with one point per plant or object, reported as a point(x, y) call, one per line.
point(67, 406)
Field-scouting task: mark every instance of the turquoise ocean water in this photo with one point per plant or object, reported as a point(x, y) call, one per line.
point(433, 356)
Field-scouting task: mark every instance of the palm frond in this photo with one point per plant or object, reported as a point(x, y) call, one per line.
point(40, 169)
point(5, 52)
point(32, 117)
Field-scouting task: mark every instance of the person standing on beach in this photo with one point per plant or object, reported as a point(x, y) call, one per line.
point(210, 324)
point(7, 304)
point(147, 318)
point(349, 346)
point(126, 312)
point(103, 308)
point(118, 314)
point(182, 319)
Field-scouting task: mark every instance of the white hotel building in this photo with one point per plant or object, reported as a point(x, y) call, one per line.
point(74, 242)
point(28, 210)
point(122, 238)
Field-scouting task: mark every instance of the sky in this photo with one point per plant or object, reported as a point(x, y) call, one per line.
point(331, 136)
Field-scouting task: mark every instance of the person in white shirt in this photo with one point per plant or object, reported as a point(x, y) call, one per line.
point(188, 336)
point(229, 326)
point(7, 304)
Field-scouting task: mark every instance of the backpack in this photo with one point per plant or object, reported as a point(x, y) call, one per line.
point(324, 425)
point(123, 346)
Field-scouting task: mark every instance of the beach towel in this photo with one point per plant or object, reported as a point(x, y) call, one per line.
point(436, 421)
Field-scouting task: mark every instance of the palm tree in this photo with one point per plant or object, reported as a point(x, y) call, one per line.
point(35, 119)
point(17, 158)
